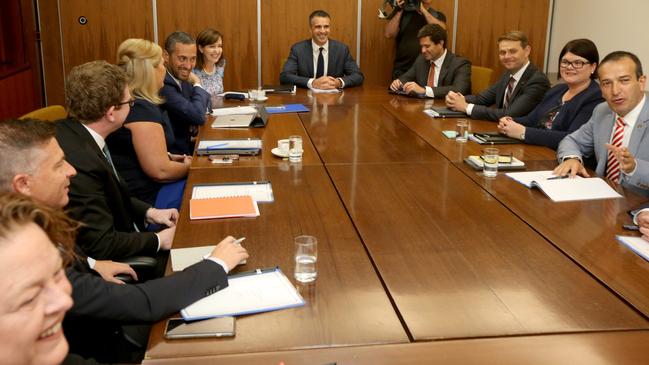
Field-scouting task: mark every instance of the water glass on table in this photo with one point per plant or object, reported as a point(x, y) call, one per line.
point(295, 148)
point(490, 156)
point(306, 257)
point(462, 130)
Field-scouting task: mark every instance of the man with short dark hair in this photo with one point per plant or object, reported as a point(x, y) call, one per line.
point(404, 26)
point(185, 99)
point(616, 132)
point(436, 71)
point(98, 101)
point(320, 62)
point(93, 325)
point(519, 90)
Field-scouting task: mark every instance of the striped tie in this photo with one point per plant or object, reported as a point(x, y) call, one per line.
point(508, 93)
point(612, 164)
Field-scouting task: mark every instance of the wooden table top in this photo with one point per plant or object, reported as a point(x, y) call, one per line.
point(280, 126)
point(583, 230)
point(609, 348)
point(345, 306)
point(416, 246)
point(459, 264)
point(411, 114)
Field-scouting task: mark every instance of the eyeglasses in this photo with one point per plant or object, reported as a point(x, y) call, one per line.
point(577, 64)
point(130, 103)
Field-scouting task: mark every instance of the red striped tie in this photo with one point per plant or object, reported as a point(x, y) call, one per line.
point(612, 164)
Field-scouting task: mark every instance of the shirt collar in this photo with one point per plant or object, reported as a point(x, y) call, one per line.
point(440, 60)
point(520, 72)
point(96, 136)
point(632, 117)
point(316, 47)
point(175, 79)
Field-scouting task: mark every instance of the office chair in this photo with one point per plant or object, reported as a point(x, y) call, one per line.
point(480, 79)
point(49, 113)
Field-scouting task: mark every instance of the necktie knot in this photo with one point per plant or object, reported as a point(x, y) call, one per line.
point(620, 122)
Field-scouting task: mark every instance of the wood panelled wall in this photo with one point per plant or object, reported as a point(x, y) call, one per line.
point(283, 22)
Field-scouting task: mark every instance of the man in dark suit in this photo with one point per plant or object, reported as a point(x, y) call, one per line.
point(436, 71)
point(185, 99)
point(320, 62)
point(98, 101)
point(517, 92)
point(93, 323)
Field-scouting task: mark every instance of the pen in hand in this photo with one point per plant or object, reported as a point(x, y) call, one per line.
point(558, 177)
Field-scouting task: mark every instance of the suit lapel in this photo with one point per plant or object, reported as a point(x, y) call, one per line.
point(444, 71)
point(521, 83)
point(85, 135)
point(639, 130)
point(310, 58)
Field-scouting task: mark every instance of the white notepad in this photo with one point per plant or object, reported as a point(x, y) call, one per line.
point(237, 110)
point(181, 258)
point(636, 244)
point(260, 191)
point(566, 189)
point(253, 292)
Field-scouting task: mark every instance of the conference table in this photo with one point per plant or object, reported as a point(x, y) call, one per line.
point(419, 255)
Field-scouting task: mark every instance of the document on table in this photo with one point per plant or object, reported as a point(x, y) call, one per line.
point(237, 110)
point(181, 258)
point(566, 189)
point(636, 244)
point(260, 191)
point(251, 292)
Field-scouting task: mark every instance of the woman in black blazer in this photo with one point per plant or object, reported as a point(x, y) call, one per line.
point(566, 106)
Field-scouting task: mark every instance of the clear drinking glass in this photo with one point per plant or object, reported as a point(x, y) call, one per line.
point(295, 148)
point(490, 161)
point(306, 257)
point(462, 130)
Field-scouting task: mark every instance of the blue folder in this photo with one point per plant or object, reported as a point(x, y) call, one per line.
point(286, 108)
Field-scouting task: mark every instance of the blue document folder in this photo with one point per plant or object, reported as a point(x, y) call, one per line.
point(286, 108)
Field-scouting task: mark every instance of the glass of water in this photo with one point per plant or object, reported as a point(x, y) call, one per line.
point(306, 257)
point(295, 148)
point(490, 161)
point(461, 130)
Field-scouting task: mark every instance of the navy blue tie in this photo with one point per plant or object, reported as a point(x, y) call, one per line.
point(320, 65)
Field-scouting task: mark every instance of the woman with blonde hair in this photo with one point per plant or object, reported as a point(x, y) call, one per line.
point(139, 149)
point(210, 64)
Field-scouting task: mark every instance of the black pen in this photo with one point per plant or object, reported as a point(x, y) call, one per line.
point(630, 227)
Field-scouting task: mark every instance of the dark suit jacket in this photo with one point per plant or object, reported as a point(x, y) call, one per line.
point(573, 115)
point(93, 326)
point(528, 93)
point(146, 302)
point(455, 75)
point(186, 106)
point(100, 201)
point(298, 68)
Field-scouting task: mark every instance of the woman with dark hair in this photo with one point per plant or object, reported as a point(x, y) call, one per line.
point(210, 64)
point(566, 106)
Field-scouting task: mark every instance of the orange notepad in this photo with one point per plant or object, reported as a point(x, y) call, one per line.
point(226, 207)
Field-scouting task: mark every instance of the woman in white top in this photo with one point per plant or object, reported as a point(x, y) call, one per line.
point(210, 64)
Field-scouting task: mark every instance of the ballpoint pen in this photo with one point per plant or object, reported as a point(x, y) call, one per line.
point(558, 177)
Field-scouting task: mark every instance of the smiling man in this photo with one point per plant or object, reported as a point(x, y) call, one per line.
point(185, 99)
point(320, 62)
point(436, 71)
point(617, 130)
point(517, 92)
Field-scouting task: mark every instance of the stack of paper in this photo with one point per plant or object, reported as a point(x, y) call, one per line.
point(252, 292)
point(636, 244)
point(224, 207)
point(561, 189)
point(260, 191)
